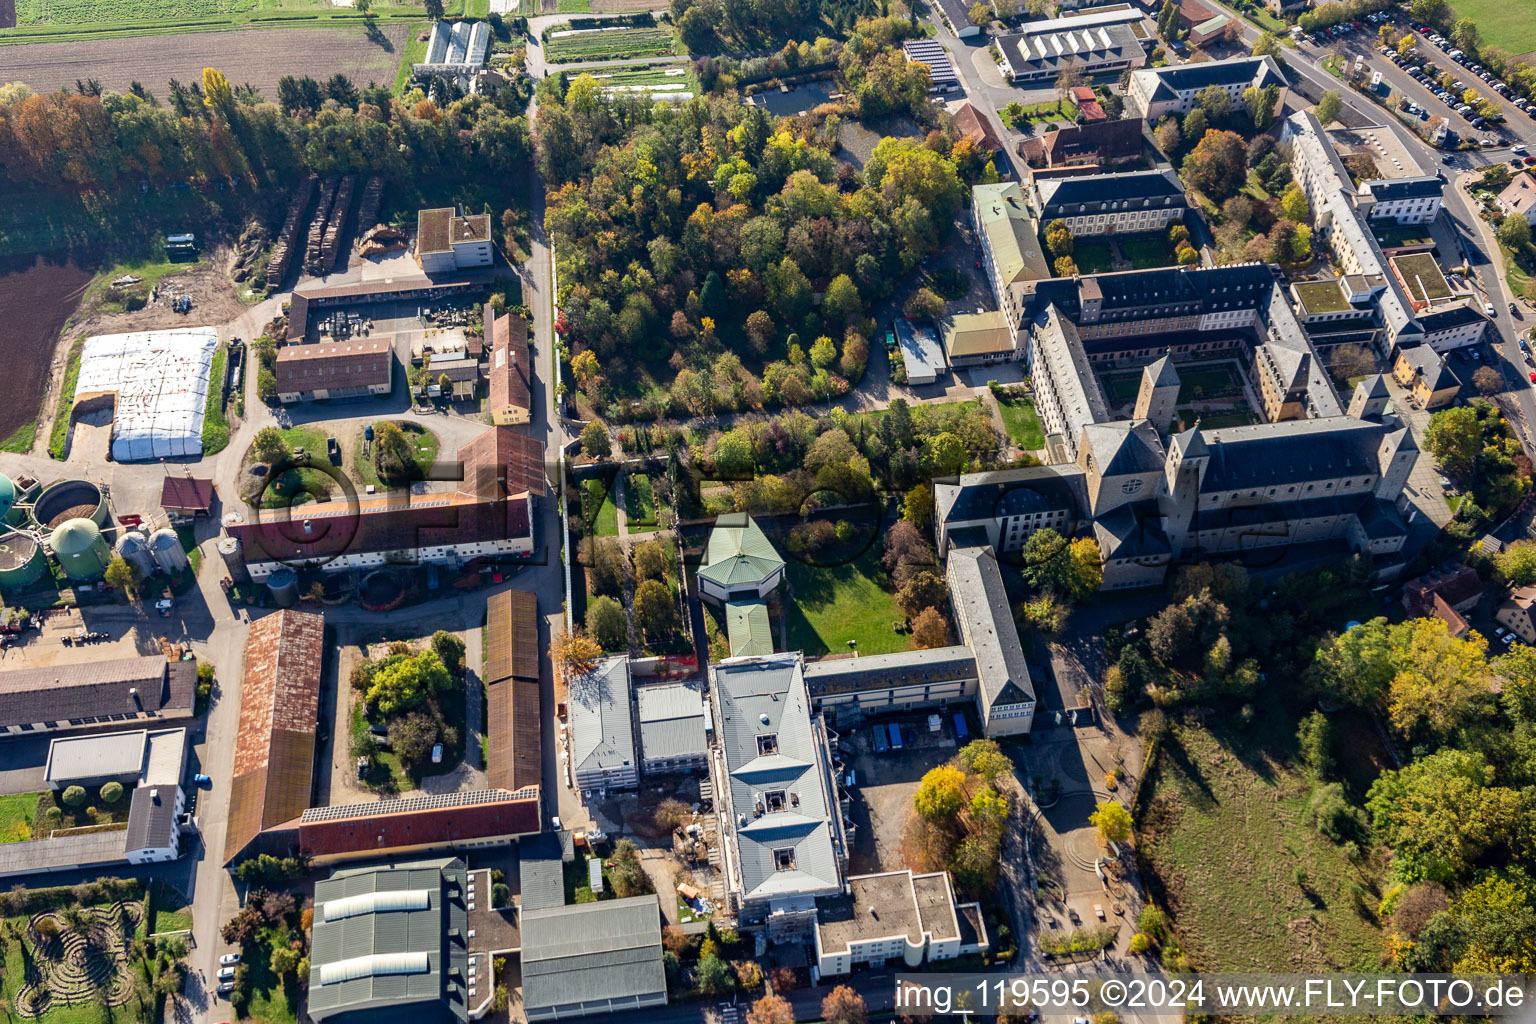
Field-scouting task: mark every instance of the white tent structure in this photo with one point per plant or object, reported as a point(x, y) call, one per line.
point(160, 379)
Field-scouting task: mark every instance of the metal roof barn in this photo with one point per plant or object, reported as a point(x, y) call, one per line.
point(160, 380)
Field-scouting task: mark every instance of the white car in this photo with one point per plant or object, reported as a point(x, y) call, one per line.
point(1488, 308)
point(229, 959)
point(226, 973)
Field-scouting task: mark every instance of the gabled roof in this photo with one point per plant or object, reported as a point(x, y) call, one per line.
point(1260, 71)
point(334, 365)
point(274, 764)
point(671, 719)
point(738, 552)
point(1000, 493)
point(1146, 187)
point(1424, 187)
point(1106, 140)
point(437, 821)
point(1012, 235)
point(986, 621)
point(970, 123)
point(186, 494)
point(118, 686)
point(604, 952)
point(1293, 451)
point(747, 628)
point(509, 369)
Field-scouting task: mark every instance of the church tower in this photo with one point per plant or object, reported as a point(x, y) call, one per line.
point(1158, 398)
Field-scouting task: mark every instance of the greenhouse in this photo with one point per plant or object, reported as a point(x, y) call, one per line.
point(160, 383)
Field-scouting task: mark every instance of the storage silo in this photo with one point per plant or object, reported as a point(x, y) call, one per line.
point(69, 499)
point(234, 559)
point(166, 547)
point(80, 549)
point(284, 585)
point(133, 548)
point(22, 562)
point(7, 497)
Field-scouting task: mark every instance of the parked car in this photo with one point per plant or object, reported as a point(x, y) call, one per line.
point(228, 959)
point(226, 973)
point(201, 780)
point(437, 753)
point(1488, 308)
point(226, 988)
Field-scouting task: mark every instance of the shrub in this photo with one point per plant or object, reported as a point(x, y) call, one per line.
point(74, 796)
point(112, 792)
point(501, 895)
point(1139, 943)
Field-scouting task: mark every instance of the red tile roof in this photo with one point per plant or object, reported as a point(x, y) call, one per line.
point(509, 363)
point(186, 494)
point(334, 365)
point(503, 462)
point(373, 829)
point(972, 125)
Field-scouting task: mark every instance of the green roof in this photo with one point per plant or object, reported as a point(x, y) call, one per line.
point(738, 552)
point(747, 628)
point(1211, 24)
point(1012, 232)
point(1321, 296)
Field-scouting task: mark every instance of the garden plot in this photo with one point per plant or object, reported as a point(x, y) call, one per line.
point(608, 44)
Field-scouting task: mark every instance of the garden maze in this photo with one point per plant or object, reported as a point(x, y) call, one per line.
point(79, 961)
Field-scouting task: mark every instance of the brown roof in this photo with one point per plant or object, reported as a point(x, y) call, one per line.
point(434, 230)
point(1088, 104)
point(419, 822)
point(973, 126)
point(474, 228)
point(298, 317)
point(1450, 616)
point(279, 707)
point(502, 462)
point(1460, 589)
point(186, 494)
point(398, 522)
point(512, 636)
point(509, 363)
point(1193, 12)
point(334, 365)
point(92, 689)
point(1097, 140)
point(416, 284)
point(514, 716)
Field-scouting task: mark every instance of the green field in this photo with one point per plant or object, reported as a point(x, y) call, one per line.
point(58, 20)
point(1250, 883)
point(1509, 26)
point(640, 501)
point(618, 75)
point(1091, 257)
point(1022, 422)
point(1211, 382)
point(598, 509)
point(59, 435)
point(215, 425)
point(829, 605)
point(16, 817)
point(618, 44)
point(1149, 252)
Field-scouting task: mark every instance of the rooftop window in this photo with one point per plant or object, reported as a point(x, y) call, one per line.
point(784, 860)
point(768, 743)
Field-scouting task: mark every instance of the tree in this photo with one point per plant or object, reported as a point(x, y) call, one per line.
point(1487, 381)
point(1195, 124)
point(823, 352)
point(844, 1006)
point(930, 630)
point(626, 871)
point(269, 446)
point(1464, 34)
point(112, 792)
point(284, 960)
point(712, 975)
point(122, 575)
point(73, 796)
point(672, 813)
point(1404, 45)
point(1357, 665)
point(1218, 165)
point(923, 304)
point(1065, 266)
point(1439, 678)
point(760, 330)
point(595, 442)
point(917, 507)
point(1215, 101)
point(985, 760)
point(1113, 822)
point(434, 9)
point(979, 14)
point(1268, 45)
point(1314, 738)
point(1058, 239)
point(1455, 439)
point(1516, 563)
point(650, 560)
point(449, 648)
point(1168, 136)
point(1515, 232)
point(1440, 813)
point(609, 626)
point(1261, 105)
point(944, 454)
point(1068, 569)
point(774, 1009)
point(1294, 204)
point(1328, 107)
point(941, 794)
point(402, 682)
point(217, 94)
point(654, 610)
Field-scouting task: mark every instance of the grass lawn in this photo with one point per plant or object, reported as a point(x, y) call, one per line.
point(1042, 113)
point(300, 480)
point(1149, 252)
point(215, 425)
point(1211, 382)
point(273, 1001)
point(573, 7)
point(1509, 25)
point(1215, 421)
point(1250, 883)
point(1023, 424)
point(598, 509)
point(413, 52)
point(172, 913)
point(1091, 257)
point(16, 817)
point(828, 606)
point(424, 446)
point(640, 501)
point(59, 435)
point(1121, 387)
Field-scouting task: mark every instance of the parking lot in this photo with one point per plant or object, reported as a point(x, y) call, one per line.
point(880, 799)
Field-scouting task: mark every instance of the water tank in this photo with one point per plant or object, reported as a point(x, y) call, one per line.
point(7, 496)
point(234, 559)
point(284, 585)
point(80, 549)
point(69, 499)
point(22, 562)
point(168, 552)
point(133, 548)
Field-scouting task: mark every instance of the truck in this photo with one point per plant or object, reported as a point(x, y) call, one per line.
point(960, 730)
point(895, 731)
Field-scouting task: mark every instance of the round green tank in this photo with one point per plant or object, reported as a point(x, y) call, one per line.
point(80, 549)
point(7, 498)
point(22, 562)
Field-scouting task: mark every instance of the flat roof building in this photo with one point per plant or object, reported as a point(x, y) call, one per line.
point(895, 915)
point(448, 241)
point(390, 945)
point(921, 353)
point(142, 757)
point(974, 339)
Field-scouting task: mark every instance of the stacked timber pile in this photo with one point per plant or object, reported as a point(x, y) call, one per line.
point(381, 238)
point(252, 243)
point(333, 228)
point(368, 210)
point(289, 239)
point(317, 222)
